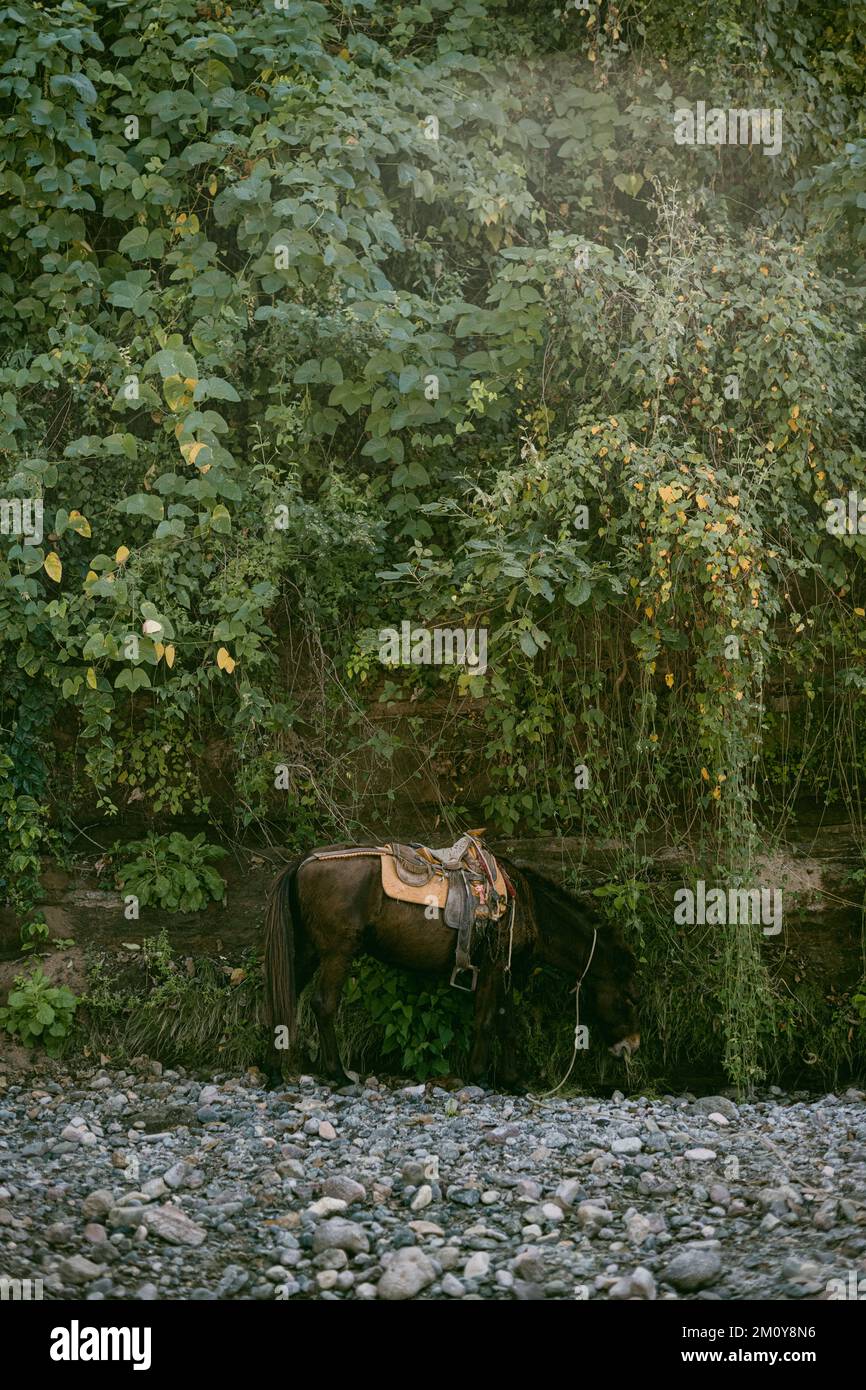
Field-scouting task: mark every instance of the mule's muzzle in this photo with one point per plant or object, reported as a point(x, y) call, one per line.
point(627, 1046)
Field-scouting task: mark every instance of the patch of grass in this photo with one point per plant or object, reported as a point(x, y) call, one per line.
point(153, 1005)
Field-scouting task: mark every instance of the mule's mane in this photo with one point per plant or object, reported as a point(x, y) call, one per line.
point(573, 910)
point(562, 896)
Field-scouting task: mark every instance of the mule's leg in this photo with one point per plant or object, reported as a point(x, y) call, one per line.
point(486, 995)
point(507, 1070)
point(329, 986)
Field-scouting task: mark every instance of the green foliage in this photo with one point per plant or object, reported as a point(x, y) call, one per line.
point(418, 1027)
point(38, 1012)
point(22, 819)
point(158, 1005)
point(298, 340)
point(172, 872)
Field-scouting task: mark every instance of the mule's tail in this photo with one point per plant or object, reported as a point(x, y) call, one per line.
point(281, 919)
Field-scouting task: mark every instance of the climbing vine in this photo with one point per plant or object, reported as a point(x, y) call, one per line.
point(315, 319)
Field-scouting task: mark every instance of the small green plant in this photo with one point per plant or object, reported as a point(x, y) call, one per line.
point(624, 903)
point(420, 1026)
point(172, 872)
point(39, 1012)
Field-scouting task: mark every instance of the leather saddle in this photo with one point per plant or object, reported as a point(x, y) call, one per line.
point(463, 882)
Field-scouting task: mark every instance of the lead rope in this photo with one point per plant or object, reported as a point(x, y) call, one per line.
point(540, 1100)
point(510, 943)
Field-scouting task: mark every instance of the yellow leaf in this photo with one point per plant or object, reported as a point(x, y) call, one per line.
point(79, 523)
point(160, 651)
point(169, 655)
point(91, 577)
point(703, 502)
point(52, 566)
point(705, 774)
point(192, 450)
point(91, 678)
point(212, 185)
point(173, 391)
point(795, 412)
point(224, 661)
point(861, 612)
point(121, 555)
point(670, 493)
point(669, 680)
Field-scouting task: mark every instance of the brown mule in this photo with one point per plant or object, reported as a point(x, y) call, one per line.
point(322, 913)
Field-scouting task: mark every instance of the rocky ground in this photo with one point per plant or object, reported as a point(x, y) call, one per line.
point(150, 1184)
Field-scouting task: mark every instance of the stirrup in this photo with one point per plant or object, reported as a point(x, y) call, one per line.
point(465, 970)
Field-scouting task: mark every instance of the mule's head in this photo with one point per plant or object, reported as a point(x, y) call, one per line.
point(572, 938)
point(612, 997)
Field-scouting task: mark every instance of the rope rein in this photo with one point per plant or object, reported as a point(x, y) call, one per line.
point(539, 1100)
point(510, 943)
